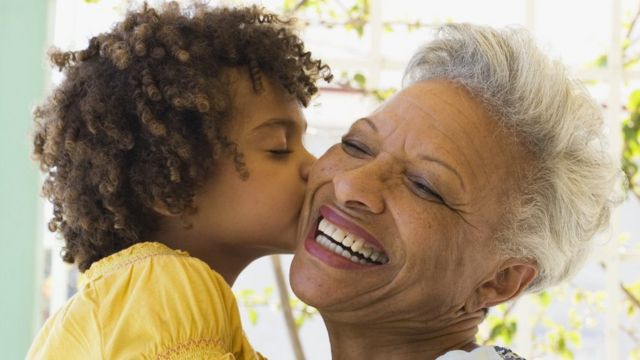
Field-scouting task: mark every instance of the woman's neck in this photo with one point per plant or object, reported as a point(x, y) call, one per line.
point(398, 341)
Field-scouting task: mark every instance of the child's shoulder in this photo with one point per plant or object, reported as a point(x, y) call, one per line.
point(152, 266)
point(163, 296)
point(147, 301)
point(137, 255)
point(133, 255)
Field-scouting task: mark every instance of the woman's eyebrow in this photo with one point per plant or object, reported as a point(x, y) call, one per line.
point(366, 121)
point(428, 158)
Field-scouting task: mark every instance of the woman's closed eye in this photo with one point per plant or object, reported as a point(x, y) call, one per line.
point(355, 148)
point(421, 188)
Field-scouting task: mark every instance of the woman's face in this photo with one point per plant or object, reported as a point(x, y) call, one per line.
point(414, 194)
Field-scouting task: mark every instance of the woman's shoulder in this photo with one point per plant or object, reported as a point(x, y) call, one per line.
point(482, 353)
point(507, 354)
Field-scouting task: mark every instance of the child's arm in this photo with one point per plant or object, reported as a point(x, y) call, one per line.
point(71, 333)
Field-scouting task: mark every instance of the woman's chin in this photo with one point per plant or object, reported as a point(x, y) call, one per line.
point(302, 285)
point(308, 285)
point(319, 278)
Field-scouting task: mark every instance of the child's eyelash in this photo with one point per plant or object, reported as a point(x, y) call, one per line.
point(280, 151)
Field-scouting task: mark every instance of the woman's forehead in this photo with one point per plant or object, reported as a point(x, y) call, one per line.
point(440, 99)
point(439, 118)
point(433, 114)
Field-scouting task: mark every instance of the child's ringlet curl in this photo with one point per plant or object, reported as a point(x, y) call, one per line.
point(139, 119)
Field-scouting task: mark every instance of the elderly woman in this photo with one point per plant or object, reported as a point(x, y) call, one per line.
point(485, 177)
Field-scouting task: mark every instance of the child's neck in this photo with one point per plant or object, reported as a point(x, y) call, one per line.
point(226, 260)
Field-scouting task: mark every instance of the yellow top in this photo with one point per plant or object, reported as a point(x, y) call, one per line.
point(146, 302)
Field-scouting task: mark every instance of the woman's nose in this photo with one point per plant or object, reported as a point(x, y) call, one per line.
point(360, 188)
point(307, 161)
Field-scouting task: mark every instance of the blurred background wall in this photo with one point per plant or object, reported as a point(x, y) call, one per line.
point(23, 30)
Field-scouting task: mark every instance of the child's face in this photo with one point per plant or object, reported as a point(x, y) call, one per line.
point(258, 215)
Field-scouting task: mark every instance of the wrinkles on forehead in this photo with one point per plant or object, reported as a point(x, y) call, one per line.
point(463, 115)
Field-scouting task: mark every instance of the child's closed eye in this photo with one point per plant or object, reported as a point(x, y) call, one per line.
point(280, 152)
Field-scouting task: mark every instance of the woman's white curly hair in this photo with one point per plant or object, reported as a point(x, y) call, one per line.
point(575, 183)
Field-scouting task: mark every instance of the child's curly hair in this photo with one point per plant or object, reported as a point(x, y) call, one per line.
point(138, 120)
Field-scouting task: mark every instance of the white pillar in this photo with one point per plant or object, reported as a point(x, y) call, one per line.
point(614, 118)
point(530, 16)
point(375, 55)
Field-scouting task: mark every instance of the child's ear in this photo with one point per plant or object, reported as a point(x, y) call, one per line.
point(513, 277)
point(162, 209)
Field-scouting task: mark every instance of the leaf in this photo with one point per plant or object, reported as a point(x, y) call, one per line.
point(288, 5)
point(601, 61)
point(496, 331)
point(544, 299)
point(360, 79)
point(245, 296)
point(383, 94)
point(634, 288)
point(253, 316)
point(634, 101)
point(574, 337)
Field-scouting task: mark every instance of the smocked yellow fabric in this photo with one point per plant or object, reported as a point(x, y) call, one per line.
point(146, 302)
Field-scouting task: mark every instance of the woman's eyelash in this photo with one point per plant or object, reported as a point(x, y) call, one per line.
point(353, 146)
point(425, 189)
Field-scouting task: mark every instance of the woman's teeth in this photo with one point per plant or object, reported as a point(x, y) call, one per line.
point(348, 245)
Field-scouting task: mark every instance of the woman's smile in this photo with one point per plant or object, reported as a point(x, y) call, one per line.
point(335, 239)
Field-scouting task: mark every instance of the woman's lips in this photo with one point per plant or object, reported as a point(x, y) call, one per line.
point(343, 223)
point(331, 258)
point(340, 243)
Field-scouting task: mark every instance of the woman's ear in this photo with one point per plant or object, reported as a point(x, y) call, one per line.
point(512, 278)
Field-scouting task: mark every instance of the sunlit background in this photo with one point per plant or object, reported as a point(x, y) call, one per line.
point(366, 43)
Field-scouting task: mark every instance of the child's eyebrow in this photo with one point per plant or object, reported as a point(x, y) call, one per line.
point(286, 123)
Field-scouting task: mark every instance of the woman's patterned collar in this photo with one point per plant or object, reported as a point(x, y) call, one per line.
point(507, 354)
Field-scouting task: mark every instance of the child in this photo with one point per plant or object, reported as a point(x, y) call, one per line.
point(173, 147)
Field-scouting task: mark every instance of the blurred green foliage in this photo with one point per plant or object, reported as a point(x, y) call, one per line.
point(631, 145)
